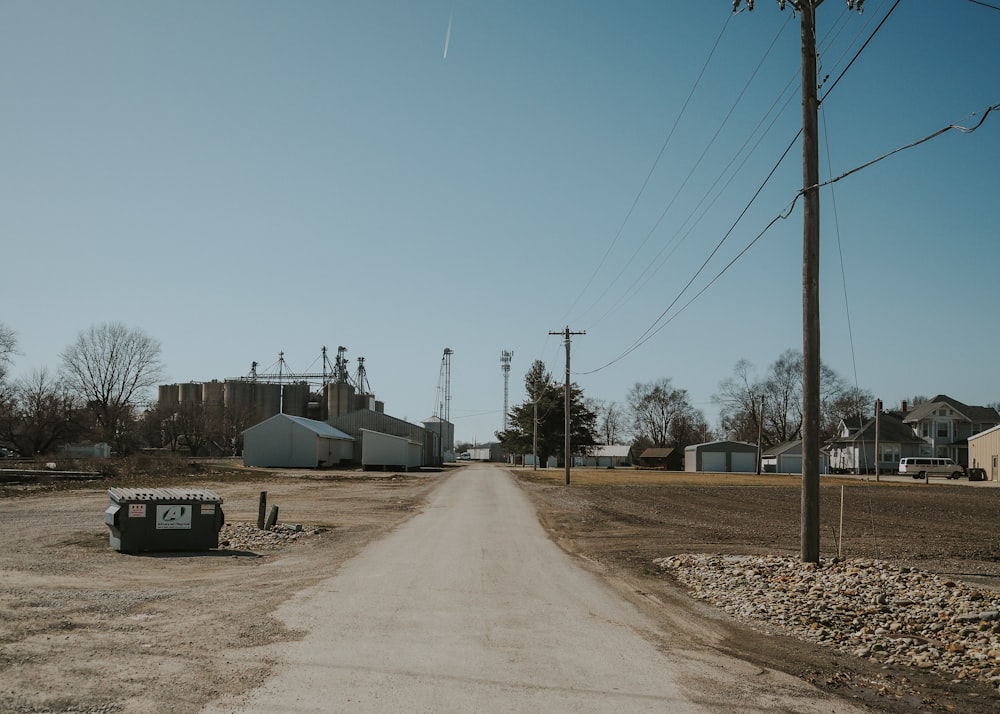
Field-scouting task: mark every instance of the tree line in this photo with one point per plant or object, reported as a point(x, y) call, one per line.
point(764, 408)
point(96, 395)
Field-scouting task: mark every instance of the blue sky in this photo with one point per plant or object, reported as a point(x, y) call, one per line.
point(239, 179)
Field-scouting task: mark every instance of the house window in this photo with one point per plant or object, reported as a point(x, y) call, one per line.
point(925, 430)
point(942, 431)
point(890, 453)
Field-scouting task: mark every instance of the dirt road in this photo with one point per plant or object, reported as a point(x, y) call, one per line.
point(470, 607)
point(86, 629)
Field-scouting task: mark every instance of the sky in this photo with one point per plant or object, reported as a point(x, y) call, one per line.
point(241, 179)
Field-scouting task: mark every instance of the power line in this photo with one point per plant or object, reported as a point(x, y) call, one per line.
point(656, 163)
point(985, 4)
point(656, 327)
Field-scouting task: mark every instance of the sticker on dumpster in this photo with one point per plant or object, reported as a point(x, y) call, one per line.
point(173, 517)
point(208, 509)
point(137, 510)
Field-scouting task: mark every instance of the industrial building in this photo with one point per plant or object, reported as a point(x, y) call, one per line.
point(285, 441)
point(321, 415)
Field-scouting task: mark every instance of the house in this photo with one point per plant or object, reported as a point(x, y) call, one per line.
point(852, 450)
point(945, 425)
point(661, 458)
point(984, 452)
point(610, 456)
point(786, 458)
point(721, 457)
point(286, 441)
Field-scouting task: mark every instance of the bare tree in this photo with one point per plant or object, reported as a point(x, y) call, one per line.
point(8, 348)
point(663, 416)
point(109, 367)
point(39, 415)
point(611, 424)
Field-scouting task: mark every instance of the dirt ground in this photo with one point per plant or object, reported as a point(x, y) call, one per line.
point(84, 628)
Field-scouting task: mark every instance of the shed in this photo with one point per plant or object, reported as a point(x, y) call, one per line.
point(984, 452)
point(661, 458)
point(607, 456)
point(721, 457)
point(285, 441)
point(389, 452)
point(355, 422)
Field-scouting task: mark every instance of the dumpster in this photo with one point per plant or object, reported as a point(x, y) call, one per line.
point(163, 519)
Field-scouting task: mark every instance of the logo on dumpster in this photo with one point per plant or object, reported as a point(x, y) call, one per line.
point(173, 517)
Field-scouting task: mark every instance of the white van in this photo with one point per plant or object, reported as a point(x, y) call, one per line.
point(923, 466)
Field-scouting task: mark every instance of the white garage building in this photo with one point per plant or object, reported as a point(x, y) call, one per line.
point(286, 441)
point(721, 457)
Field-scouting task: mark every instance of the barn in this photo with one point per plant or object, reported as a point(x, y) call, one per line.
point(286, 441)
point(721, 457)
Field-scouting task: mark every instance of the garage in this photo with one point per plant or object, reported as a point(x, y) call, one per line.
point(721, 457)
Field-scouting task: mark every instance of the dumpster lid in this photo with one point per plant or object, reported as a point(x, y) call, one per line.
point(162, 494)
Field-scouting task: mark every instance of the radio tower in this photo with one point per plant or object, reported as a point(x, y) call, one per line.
point(505, 357)
point(444, 384)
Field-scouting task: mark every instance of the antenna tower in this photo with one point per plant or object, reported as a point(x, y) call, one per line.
point(505, 358)
point(443, 409)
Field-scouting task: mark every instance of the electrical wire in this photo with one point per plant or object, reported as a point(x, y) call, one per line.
point(690, 173)
point(985, 4)
point(655, 327)
point(652, 169)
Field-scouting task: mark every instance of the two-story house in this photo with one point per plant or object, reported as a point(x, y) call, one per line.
point(945, 425)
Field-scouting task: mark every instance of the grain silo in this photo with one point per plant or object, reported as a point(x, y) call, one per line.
point(189, 393)
point(295, 399)
point(168, 395)
point(339, 399)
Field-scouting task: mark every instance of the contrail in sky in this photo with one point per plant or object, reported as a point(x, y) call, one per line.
point(447, 36)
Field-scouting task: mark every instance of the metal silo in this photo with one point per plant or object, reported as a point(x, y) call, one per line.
point(295, 400)
point(168, 395)
point(189, 393)
point(267, 399)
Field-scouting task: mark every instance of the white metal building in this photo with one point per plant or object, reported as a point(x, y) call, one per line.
point(286, 441)
point(721, 457)
point(984, 452)
point(389, 452)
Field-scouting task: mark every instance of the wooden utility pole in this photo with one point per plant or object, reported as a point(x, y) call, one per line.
point(567, 454)
point(809, 536)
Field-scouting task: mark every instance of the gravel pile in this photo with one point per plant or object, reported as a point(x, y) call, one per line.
point(867, 608)
point(246, 536)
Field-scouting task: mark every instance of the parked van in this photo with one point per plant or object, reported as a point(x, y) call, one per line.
point(923, 466)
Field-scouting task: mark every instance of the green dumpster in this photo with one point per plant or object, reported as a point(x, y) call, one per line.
point(163, 519)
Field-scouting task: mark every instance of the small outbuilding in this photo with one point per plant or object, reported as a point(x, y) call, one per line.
point(285, 441)
point(388, 452)
point(721, 457)
point(611, 456)
point(661, 458)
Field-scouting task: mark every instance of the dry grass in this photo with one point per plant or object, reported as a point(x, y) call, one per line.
point(618, 477)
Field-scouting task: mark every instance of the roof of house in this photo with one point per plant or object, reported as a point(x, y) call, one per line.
point(656, 452)
point(973, 414)
point(891, 429)
point(612, 450)
point(786, 448)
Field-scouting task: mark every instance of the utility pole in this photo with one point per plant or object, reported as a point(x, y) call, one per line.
point(760, 434)
point(878, 456)
point(567, 454)
point(809, 534)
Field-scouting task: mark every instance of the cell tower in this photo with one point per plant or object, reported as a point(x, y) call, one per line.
point(505, 358)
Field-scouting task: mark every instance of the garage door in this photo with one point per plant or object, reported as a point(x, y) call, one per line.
point(713, 460)
point(791, 464)
point(744, 461)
